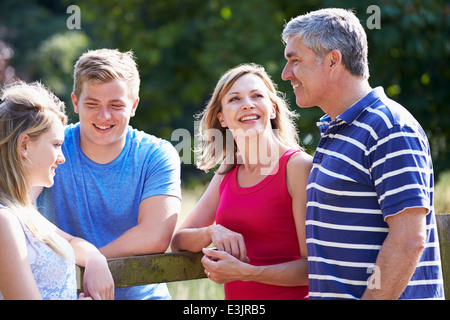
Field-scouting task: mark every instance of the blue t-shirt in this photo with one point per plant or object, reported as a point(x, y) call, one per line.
point(99, 202)
point(373, 161)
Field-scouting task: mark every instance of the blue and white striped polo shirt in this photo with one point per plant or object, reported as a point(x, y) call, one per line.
point(373, 161)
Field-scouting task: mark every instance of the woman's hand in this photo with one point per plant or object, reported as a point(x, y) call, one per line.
point(222, 267)
point(98, 282)
point(228, 241)
point(83, 297)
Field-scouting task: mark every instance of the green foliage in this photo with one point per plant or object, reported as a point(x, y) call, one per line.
point(202, 289)
point(409, 57)
point(442, 193)
point(182, 47)
point(44, 49)
point(53, 63)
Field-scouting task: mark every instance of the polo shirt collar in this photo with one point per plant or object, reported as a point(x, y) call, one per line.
point(352, 113)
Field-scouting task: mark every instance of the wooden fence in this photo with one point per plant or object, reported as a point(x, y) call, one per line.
point(181, 266)
point(443, 223)
point(153, 268)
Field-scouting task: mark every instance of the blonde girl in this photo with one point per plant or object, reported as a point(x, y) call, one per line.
point(37, 260)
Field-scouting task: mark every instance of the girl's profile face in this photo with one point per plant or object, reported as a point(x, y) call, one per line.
point(43, 155)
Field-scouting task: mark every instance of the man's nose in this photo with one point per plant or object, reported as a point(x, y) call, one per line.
point(104, 113)
point(287, 72)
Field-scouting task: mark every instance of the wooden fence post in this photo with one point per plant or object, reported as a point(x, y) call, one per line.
point(443, 225)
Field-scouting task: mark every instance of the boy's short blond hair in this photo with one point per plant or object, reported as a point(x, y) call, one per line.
point(105, 65)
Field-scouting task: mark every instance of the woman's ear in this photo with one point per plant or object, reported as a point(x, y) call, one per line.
point(221, 120)
point(23, 144)
point(273, 115)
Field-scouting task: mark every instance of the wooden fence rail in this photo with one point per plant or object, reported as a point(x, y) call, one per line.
point(153, 268)
point(181, 266)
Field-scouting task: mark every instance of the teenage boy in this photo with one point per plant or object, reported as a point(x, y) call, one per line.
point(120, 187)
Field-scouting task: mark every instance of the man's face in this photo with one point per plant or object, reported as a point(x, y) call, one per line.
point(309, 78)
point(105, 110)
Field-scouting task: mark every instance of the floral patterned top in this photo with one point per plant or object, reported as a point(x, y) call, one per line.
point(55, 275)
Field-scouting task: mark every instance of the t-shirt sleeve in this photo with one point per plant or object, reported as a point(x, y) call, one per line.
point(402, 170)
point(163, 173)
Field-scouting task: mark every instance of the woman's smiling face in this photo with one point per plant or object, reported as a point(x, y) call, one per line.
point(247, 105)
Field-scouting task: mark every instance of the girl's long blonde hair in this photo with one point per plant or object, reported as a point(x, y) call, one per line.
point(212, 150)
point(26, 109)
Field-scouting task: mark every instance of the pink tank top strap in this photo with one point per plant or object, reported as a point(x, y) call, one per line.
point(282, 163)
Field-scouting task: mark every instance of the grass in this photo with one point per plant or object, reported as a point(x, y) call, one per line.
point(202, 289)
point(442, 193)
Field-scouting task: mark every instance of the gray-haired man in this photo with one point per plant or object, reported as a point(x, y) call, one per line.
point(370, 226)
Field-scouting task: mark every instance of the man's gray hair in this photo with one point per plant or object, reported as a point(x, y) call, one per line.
point(329, 29)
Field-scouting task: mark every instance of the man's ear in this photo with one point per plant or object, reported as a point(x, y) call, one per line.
point(74, 102)
point(334, 58)
point(134, 107)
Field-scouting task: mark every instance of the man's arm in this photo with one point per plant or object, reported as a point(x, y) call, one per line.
point(156, 222)
point(399, 254)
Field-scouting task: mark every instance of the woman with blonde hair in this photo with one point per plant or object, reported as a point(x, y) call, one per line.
point(253, 211)
point(37, 260)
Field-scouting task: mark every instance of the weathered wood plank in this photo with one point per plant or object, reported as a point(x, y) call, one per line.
point(153, 268)
point(443, 224)
point(180, 266)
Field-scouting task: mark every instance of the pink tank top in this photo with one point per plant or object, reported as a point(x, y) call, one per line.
point(263, 215)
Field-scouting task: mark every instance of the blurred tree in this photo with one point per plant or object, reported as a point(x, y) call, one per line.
point(39, 46)
point(24, 25)
point(409, 57)
point(182, 47)
point(53, 63)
